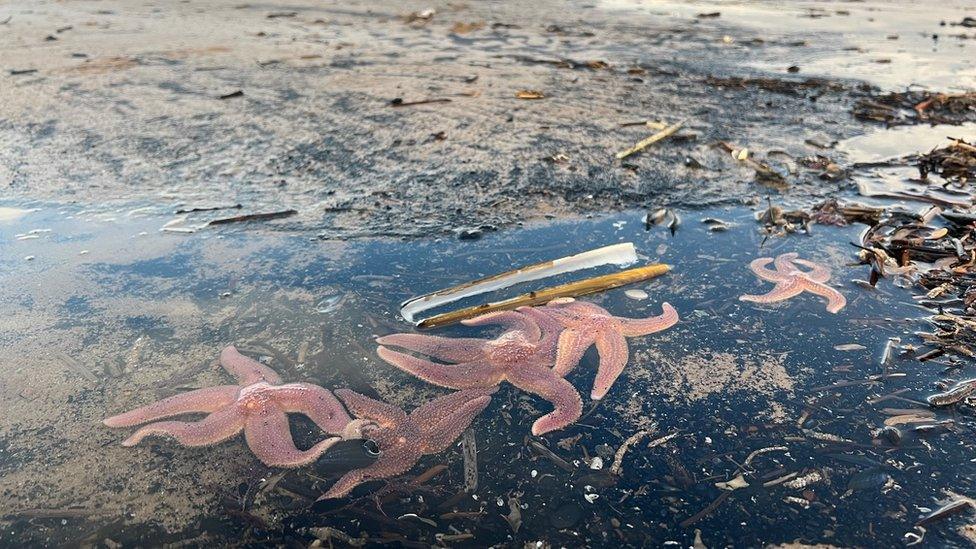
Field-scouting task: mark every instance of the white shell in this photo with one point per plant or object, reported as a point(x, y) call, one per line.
point(636, 294)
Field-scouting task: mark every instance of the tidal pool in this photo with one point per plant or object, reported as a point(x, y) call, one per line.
point(102, 313)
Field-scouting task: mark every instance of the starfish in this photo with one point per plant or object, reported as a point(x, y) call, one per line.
point(523, 355)
point(257, 405)
point(587, 324)
point(403, 439)
point(791, 281)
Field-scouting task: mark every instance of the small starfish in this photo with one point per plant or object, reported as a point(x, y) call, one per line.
point(587, 324)
point(523, 355)
point(257, 405)
point(791, 281)
point(403, 439)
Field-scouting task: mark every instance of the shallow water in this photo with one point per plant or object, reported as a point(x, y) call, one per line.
point(889, 44)
point(110, 313)
point(884, 169)
point(892, 143)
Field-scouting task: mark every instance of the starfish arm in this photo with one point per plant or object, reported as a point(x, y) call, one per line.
point(510, 320)
point(817, 272)
point(207, 400)
point(454, 376)
point(613, 358)
point(781, 291)
point(445, 406)
point(575, 310)
point(784, 262)
point(759, 266)
point(570, 349)
point(548, 324)
point(246, 370)
point(441, 424)
point(269, 437)
point(315, 402)
point(835, 300)
point(217, 427)
point(566, 402)
point(363, 407)
point(386, 466)
point(397, 456)
point(632, 327)
point(345, 484)
point(447, 349)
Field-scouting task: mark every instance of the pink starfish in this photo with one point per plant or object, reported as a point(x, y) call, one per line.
point(257, 405)
point(587, 324)
point(403, 439)
point(523, 355)
point(791, 281)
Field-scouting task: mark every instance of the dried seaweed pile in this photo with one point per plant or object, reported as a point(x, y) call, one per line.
point(915, 107)
point(779, 222)
point(955, 162)
point(934, 252)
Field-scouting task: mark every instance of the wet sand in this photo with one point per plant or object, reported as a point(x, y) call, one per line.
point(289, 106)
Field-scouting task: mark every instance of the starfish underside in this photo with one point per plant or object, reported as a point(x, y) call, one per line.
point(791, 281)
point(258, 405)
point(403, 439)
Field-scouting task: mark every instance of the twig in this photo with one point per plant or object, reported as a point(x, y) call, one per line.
point(429, 474)
point(75, 366)
point(328, 533)
point(641, 145)
point(707, 510)
point(618, 458)
point(398, 102)
point(959, 144)
point(469, 448)
point(659, 441)
point(653, 124)
point(541, 450)
point(253, 217)
point(780, 480)
point(208, 208)
point(760, 451)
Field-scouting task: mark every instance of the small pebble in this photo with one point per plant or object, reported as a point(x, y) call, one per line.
point(636, 294)
point(29, 258)
point(468, 234)
point(597, 463)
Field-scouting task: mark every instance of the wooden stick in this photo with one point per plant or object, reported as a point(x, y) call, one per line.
point(571, 289)
point(650, 140)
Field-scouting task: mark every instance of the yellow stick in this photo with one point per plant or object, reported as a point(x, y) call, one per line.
point(650, 140)
point(571, 289)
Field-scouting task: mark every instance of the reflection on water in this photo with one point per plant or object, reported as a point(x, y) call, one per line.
point(783, 404)
point(890, 44)
point(892, 143)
